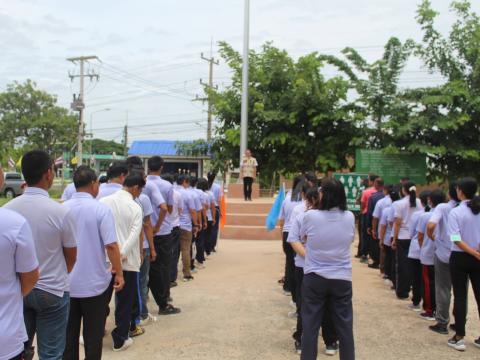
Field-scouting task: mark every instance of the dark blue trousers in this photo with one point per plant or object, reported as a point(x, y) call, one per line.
point(318, 296)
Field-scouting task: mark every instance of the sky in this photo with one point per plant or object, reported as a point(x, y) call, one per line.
point(150, 50)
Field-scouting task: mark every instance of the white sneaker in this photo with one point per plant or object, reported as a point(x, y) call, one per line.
point(331, 350)
point(125, 346)
point(416, 308)
point(200, 266)
point(149, 319)
point(292, 314)
point(458, 345)
point(293, 305)
point(81, 341)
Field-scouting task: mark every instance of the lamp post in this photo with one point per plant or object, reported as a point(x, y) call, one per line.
point(244, 114)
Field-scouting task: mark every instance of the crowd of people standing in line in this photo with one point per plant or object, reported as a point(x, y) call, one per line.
point(61, 262)
point(423, 246)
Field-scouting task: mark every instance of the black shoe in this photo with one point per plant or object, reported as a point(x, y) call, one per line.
point(173, 284)
point(374, 266)
point(439, 328)
point(298, 347)
point(169, 310)
point(452, 327)
point(358, 256)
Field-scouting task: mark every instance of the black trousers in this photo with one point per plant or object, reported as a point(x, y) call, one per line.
point(416, 275)
point(320, 295)
point(175, 254)
point(359, 223)
point(463, 266)
point(200, 246)
point(429, 303)
point(374, 250)
point(92, 311)
point(388, 261)
point(159, 275)
point(247, 187)
point(328, 329)
point(364, 239)
point(208, 238)
point(404, 282)
point(123, 308)
point(216, 228)
point(289, 284)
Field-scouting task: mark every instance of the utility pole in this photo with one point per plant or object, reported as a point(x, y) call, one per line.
point(244, 115)
point(211, 61)
point(78, 103)
point(125, 140)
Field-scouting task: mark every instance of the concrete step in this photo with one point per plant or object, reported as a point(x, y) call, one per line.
point(239, 232)
point(246, 219)
point(253, 207)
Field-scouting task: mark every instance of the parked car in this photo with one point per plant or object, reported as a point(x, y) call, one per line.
point(13, 185)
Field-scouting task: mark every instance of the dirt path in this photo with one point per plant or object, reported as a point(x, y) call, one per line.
point(234, 309)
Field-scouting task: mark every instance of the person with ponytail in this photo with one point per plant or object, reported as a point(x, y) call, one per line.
point(404, 209)
point(437, 231)
point(386, 232)
point(427, 254)
point(464, 233)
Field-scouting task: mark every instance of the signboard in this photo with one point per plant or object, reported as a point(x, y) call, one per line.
point(352, 183)
point(392, 167)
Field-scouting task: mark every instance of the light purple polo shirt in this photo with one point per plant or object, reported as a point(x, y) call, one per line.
point(188, 203)
point(329, 238)
point(294, 234)
point(53, 228)
point(388, 228)
point(95, 229)
point(68, 192)
point(217, 193)
point(380, 206)
point(196, 198)
point(147, 210)
point(156, 198)
point(177, 206)
point(443, 245)
point(166, 189)
point(107, 189)
point(286, 211)
point(404, 211)
point(464, 225)
point(414, 250)
point(427, 251)
point(211, 199)
point(17, 255)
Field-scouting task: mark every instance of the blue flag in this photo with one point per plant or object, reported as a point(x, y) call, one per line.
point(272, 217)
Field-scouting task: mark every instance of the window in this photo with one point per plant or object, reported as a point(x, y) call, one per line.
point(13, 177)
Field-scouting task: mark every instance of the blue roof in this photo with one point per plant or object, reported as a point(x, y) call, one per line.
point(154, 147)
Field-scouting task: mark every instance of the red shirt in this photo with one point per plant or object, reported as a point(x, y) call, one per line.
point(364, 199)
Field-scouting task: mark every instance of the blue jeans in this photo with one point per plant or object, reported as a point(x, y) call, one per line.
point(46, 315)
point(144, 270)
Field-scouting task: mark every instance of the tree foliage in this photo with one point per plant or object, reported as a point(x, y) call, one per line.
point(30, 118)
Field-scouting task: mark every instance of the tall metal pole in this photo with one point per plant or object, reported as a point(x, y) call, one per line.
point(81, 124)
point(244, 115)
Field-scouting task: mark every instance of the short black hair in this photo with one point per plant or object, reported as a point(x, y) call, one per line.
point(136, 168)
point(134, 161)
point(103, 179)
point(202, 184)
point(333, 195)
point(372, 177)
point(379, 181)
point(168, 177)
point(182, 178)
point(35, 164)
point(193, 181)
point(118, 168)
point(83, 176)
point(134, 179)
point(437, 197)
point(388, 188)
point(312, 195)
point(155, 163)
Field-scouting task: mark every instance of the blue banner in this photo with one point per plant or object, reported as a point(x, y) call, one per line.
point(272, 217)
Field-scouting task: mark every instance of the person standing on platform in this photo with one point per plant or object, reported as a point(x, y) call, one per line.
point(19, 274)
point(248, 172)
point(404, 210)
point(329, 229)
point(128, 226)
point(91, 276)
point(46, 307)
point(464, 233)
point(437, 230)
point(160, 268)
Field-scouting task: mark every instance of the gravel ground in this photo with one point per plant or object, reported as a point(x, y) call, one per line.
point(234, 309)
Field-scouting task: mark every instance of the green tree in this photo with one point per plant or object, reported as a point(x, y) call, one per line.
point(30, 118)
point(100, 146)
point(298, 120)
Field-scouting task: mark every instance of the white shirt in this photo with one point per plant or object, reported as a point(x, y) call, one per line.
point(128, 225)
point(404, 211)
point(68, 192)
point(17, 255)
point(53, 228)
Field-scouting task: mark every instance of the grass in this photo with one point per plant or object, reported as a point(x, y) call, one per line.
point(3, 201)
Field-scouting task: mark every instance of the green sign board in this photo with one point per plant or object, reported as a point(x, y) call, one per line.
point(352, 182)
point(392, 167)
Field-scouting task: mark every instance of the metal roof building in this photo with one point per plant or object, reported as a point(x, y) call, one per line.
point(176, 160)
